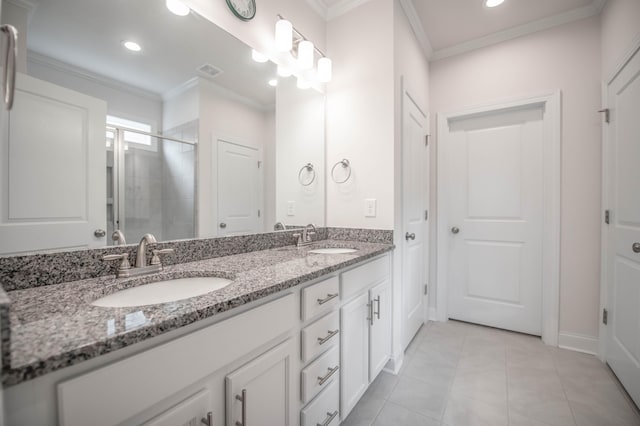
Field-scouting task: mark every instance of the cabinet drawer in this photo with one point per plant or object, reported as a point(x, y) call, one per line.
point(320, 297)
point(364, 276)
point(320, 373)
point(324, 409)
point(320, 336)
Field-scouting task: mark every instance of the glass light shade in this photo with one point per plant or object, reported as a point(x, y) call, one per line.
point(305, 55)
point(258, 57)
point(284, 71)
point(324, 70)
point(284, 35)
point(493, 3)
point(273, 82)
point(177, 7)
point(303, 84)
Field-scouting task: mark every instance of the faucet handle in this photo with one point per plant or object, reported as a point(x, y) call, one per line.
point(155, 260)
point(124, 266)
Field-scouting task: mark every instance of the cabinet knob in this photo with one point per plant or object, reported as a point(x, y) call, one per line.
point(455, 230)
point(99, 233)
point(223, 225)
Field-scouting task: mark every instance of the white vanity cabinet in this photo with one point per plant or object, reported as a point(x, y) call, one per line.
point(366, 328)
point(259, 392)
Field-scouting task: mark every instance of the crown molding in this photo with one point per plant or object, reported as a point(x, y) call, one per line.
point(338, 9)
point(540, 25)
point(416, 26)
point(27, 5)
point(49, 62)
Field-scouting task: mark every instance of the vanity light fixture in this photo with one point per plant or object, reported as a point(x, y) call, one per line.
point(273, 82)
point(177, 7)
point(303, 51)
point(132, 46)
point(493, 3)
point(258, 57)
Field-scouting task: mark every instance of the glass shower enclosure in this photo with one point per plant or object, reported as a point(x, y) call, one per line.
point(151, 183)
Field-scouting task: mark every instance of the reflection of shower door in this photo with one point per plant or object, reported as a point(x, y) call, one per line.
point(150, 185)
point(239, 189)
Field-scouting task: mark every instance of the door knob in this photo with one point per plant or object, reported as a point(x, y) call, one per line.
point(636, 247)
point(99, 233)
point(223, 225)
point(455, 230)
point(409, 236)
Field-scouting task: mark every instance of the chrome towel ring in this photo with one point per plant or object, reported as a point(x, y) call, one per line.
point(310, 170)
point(346, 165)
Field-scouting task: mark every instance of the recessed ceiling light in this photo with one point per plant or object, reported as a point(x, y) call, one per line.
point(177, 7)
point(258, 57)
point(493, 3)
point(132, 46)
point(273, 82)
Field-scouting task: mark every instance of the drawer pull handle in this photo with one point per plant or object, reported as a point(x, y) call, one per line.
point(332, 371)
point(330, 417)
point(326, 299)
point(243, 399)
point(208, 421)
point(377, 313)
point(323, 340)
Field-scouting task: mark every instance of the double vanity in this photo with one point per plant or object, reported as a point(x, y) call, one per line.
point(285, 335)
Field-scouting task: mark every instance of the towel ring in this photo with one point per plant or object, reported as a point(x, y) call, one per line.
point(310, 169)
point(345, 165)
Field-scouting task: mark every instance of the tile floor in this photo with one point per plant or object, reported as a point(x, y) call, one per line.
point(461, 374)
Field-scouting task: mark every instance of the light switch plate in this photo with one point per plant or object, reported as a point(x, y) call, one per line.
point(370, 207)
point(291, 208)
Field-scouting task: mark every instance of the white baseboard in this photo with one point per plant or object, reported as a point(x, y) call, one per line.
point(433, 314)
point(579, 343)
point(394, 364)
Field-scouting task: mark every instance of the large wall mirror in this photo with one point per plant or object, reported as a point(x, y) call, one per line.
point(184, 136)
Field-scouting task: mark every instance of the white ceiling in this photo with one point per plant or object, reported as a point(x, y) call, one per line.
point(88, 34)
point(449, 27)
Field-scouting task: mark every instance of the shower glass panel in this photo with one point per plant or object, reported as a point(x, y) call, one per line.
point(150, 185)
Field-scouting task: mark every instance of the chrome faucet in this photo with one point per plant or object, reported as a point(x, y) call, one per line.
point(279, 226)
point(304, 239)
point(141, 252)
point(118, 236)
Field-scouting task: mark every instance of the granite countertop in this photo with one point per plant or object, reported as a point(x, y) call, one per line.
point(55, 326)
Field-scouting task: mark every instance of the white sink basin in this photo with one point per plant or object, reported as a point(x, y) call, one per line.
point(162, 292)
point(333, 250)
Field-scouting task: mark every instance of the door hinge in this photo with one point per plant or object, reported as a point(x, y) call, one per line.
point(259, 164)
point(426, 289)
point(605, 316)
point(607, 217)
point(607, 114)
point(426, 140)
point(258, 213)
point(426, 215)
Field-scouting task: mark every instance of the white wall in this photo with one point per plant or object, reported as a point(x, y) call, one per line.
point(620, 26)
point(300, 140)
point(360, 115)
point(412, 70)
point(565, 58)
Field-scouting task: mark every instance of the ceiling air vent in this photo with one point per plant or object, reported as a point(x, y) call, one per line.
point(209, 71)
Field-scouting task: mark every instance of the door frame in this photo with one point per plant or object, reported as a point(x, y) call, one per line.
point(551, 210)
point(603, 334)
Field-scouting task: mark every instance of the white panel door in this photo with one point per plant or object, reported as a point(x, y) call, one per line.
point(259, 393)
point(239, 184)
point(415, 160)
point(354, 352)
point(623, 263)
point(495, 218)
point(380, 328)
point(52, 169)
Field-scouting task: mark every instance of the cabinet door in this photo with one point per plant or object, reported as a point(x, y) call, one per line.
point(259, 392)
point(189, 412)
point(380, 329)
point(354, 344)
